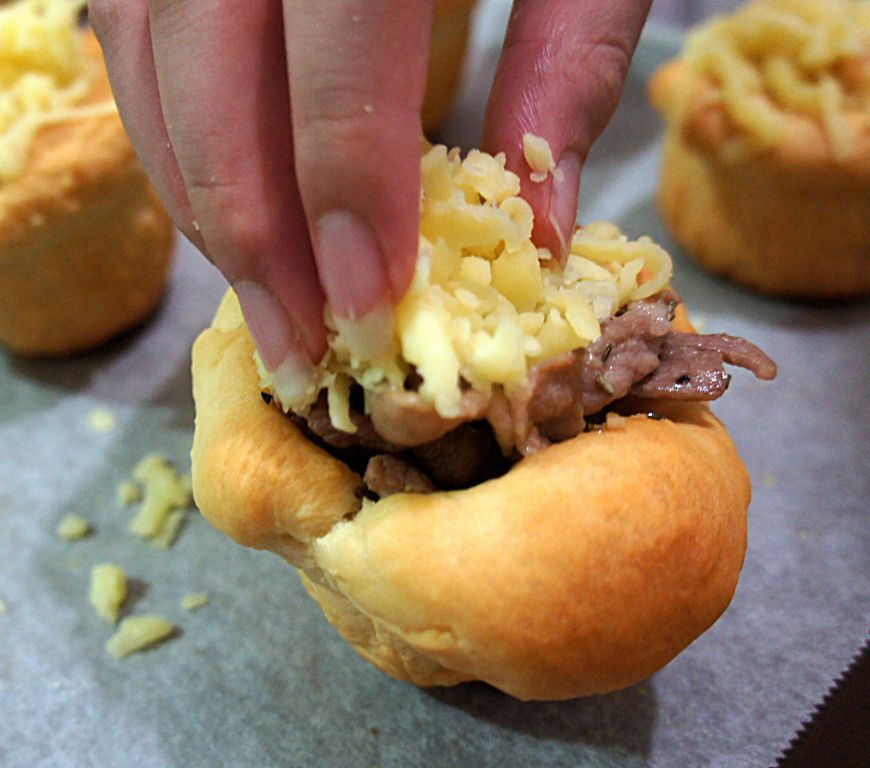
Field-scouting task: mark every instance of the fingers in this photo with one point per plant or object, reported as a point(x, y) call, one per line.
point(124, 32)
point(356, 131)
point(223, 88)
point(560, 77)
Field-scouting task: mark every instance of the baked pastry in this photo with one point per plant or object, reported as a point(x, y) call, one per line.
point(85, 244)
point(447, 44)
point(509, 487)
point(765, 173)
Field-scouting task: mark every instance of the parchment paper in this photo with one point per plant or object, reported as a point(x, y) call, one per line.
point(258, 677)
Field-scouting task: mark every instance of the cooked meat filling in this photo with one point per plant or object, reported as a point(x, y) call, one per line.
point(418, 451)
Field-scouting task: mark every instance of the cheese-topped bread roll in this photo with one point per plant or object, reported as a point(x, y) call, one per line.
point(765, 174)
point(85, 244)
point(516, 483)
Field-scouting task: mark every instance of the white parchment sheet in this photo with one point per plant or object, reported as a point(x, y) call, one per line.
point(258, 677)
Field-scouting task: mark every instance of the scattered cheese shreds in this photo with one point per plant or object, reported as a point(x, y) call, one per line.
point(73, 527)
point(165, 537)
point(770, 58)
point(108, 590)
point(193, 601)
point(129, 493)
point(102, 420)
point(136, 633)
point(165, 494)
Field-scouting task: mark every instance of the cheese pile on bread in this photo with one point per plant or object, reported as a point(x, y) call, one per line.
point(771, 57)
point(485, 304)
point(44, 75)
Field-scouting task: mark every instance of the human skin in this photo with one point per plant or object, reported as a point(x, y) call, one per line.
point(284, 138)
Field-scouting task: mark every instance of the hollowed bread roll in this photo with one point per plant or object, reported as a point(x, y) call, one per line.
point(85, 244)
point(765, 173)
point(584, 569)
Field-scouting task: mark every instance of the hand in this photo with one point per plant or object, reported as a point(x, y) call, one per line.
point(285, 141)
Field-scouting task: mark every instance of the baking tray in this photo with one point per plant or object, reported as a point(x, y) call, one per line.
point(258, 677)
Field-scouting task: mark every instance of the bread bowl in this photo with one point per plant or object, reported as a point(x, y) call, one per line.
point(579, 565)
point(85, 244)
point(765, 171)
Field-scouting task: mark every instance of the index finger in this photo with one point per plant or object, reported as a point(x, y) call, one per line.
point(560, 77)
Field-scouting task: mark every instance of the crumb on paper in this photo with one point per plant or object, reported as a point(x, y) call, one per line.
point(769, 479)
point(108, 591)
point(165, 494)
point(193, 601)
point(72, 527)
point(165, 537)
point(129, 493)
point(802, 533)
point(102, 420)
point(136, 633)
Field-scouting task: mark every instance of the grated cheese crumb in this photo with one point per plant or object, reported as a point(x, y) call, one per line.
point(165, 494)
point(108, 591)
point(136, 633)
point(539, 157)
point(193, 601)
point(129, 493)
point(73, 527)
point(102, 420)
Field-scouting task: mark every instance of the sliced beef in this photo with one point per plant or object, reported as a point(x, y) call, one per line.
point(387, 474)
point(636, 355)
point(563, 390)
point(690, 366)
point(463, 457)
point(404, 418)
point(317, 422)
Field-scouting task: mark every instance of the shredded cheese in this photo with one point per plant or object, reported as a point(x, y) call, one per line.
point(73, 527)
point(485, 304)
point(44, 75)
point(102, 420)
point(539, 158)
point(137, 633)
point(165, 494)
point(193, 601)
point(108, 591)
point(772, 57)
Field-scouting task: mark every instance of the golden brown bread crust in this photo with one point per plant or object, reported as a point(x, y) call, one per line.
point(789, 221)
point(584, 569)
point(85, 244)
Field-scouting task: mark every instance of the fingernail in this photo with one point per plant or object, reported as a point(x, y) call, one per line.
point(278, 341)
point(371, 336)
point(354, 278)
point(350, 263)
point(563, 198)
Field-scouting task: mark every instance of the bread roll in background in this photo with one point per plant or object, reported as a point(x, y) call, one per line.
point(85, 244)
point(765, 172)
